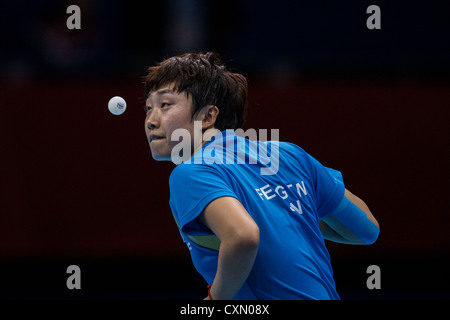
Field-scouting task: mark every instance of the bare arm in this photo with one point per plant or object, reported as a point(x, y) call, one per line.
point(239, 237)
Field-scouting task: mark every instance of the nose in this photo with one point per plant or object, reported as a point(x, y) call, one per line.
point(152, 120)
point(150, 126)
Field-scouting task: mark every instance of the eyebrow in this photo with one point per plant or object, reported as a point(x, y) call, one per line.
point(159, 92)
point(164, 91)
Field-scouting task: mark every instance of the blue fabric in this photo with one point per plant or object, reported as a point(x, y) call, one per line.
point(354, 219)
point(292, 260)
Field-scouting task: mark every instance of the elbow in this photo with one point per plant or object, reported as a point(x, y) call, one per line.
point(248, 237)
point(372, 236)
point(252, 238)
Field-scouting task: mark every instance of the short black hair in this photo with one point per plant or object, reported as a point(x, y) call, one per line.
point(207, 80)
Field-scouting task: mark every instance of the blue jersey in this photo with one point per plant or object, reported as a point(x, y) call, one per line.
point(292, 261)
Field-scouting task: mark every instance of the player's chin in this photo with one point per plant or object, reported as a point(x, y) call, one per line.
point(160, 156)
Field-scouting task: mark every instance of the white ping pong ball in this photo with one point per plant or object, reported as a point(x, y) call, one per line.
point(117, 105)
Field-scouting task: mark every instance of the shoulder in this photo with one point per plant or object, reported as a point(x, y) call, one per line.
point(294, 153)
point(292, 147)
point(189, 171)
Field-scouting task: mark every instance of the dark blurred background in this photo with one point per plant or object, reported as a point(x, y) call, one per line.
point(78, 184)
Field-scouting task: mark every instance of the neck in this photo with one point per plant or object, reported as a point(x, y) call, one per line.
point(208, 134)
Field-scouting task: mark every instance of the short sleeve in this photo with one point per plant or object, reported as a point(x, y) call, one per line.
point(192, 188)
point(329, 187)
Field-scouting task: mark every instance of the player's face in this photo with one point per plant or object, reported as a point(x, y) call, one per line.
point(167, 111)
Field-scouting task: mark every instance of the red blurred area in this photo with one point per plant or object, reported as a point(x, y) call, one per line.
point(79, 181)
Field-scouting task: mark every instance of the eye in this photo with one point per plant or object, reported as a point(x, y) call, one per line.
point(147, 108)
point(165, 104)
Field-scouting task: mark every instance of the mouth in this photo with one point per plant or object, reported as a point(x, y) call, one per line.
point(153, 138)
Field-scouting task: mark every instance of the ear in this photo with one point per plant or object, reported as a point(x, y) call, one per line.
point(210, 117)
